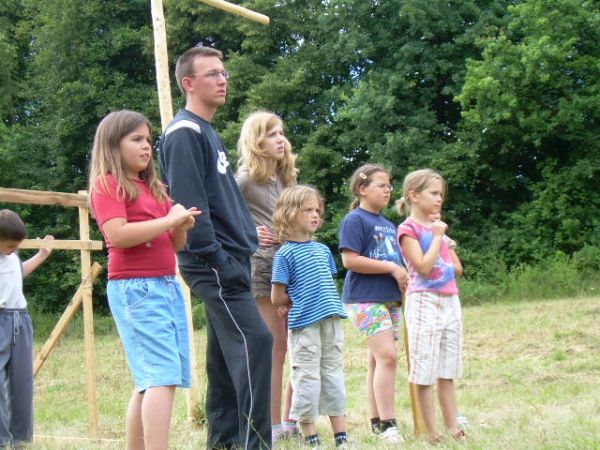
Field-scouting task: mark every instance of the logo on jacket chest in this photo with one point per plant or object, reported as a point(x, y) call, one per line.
point(222, 162)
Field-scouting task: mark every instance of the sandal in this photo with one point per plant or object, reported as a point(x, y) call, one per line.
point(460, 435)
point(435, 439)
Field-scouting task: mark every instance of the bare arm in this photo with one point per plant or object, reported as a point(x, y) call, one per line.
point(266, 236)
point(179, 233)
point(280, 299)
point(123, 234)
point(458, 268)
point(178, 238)
point(361, 264)
point(279, 295)
point(424, 262)
point(36, 260)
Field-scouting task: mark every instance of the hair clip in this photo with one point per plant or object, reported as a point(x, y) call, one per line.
point(362, 175)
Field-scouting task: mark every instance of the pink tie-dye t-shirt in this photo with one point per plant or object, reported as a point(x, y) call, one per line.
point(441, 279)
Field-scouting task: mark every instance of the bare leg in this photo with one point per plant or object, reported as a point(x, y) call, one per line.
point(287, 401)
point(278, 329)
point(308, 428)
point(447, 398)
point(382, 348)
point(338, 423)
point(156, 416)
point(372, 404)
point(135, 429)
point(425, 396)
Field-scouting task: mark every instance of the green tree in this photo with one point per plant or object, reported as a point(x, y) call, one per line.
point(83, 60)
point(531, 115)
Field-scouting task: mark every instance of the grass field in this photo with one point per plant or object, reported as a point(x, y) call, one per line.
point(532, 381)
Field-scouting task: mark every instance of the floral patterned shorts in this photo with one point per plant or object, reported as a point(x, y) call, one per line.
point(372, 318)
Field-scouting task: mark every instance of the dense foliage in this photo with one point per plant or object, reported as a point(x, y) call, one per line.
point(502, 97)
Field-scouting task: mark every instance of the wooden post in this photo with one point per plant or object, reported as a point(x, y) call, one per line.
point(166, 114)
point(64, 320)
point(418, 421)
point(162, 64)
point(88, 321)
point(193, 394)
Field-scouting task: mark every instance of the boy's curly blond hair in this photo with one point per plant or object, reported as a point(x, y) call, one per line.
point(289, 206)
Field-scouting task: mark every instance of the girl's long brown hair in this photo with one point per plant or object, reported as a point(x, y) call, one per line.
point(106, 157)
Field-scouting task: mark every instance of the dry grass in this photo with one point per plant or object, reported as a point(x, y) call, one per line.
point(532, 381)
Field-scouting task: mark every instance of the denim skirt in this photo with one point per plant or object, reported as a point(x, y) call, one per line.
point(152, 324)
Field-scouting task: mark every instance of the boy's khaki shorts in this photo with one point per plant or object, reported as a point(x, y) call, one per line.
point(317, 360)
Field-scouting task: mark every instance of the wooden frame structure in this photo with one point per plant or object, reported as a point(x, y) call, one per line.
point(83, 295)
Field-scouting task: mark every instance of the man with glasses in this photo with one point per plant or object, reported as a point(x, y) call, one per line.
point(215, 261)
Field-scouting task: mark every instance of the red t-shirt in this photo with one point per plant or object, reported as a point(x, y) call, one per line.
point(151, 259)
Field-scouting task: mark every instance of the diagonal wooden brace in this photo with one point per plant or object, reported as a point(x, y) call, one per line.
point(64, 320)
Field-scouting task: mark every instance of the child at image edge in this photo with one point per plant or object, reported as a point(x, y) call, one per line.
point(142, 232)
point(16, 335)
point(303, 287)
point(432, 310)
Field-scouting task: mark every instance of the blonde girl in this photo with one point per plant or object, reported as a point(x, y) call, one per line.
point(372, 286)
point(142, 232)
point(432, 310)
point(303, 287)
point(266, 167)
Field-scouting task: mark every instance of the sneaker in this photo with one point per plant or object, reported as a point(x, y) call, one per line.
point(375, 427)
point(461, 422)
point(391, 436)
point(341, 443)
point(312, 442)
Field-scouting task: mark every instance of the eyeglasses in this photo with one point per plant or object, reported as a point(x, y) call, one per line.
point(214, 74)
point(384, 186)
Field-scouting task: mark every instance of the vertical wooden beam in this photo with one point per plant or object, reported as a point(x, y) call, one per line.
point(88, 321)
point(193, 394)
point(162, 63)
point(166, 114)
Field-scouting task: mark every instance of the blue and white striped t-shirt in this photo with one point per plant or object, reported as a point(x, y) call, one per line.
point(306, 268)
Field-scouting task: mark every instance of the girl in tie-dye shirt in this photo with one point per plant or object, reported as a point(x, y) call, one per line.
point(432, 309)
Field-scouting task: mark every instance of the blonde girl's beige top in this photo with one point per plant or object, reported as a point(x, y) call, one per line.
point(261, 200)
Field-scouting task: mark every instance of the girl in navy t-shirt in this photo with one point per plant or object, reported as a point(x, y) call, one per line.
point(372, 289)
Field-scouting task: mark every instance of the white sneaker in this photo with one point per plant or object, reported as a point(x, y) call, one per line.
point(391, 436)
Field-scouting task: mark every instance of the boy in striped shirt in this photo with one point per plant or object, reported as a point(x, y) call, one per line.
point(304, 290)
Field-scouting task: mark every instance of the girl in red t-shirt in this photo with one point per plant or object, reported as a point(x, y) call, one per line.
point(142, 232)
